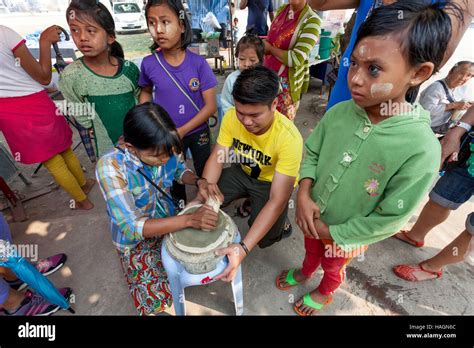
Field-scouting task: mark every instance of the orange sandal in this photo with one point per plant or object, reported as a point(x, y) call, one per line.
point(290, 280)
point(406, 272)
point(309, 302)
point(408, 239)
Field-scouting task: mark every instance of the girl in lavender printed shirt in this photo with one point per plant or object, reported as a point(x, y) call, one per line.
point(180, 81)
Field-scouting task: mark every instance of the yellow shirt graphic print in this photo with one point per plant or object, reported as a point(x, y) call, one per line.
point(280, 149)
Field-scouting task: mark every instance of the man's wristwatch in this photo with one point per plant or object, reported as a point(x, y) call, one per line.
point(464, 125)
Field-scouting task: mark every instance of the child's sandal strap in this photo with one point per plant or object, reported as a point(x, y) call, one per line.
point(290, 278)
point(308, 301)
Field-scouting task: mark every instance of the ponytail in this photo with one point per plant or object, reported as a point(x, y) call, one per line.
point(116, 50)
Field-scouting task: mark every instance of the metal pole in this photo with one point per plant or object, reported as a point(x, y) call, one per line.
point(232, 61)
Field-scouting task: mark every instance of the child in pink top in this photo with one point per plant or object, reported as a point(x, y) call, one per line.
point(34, 129)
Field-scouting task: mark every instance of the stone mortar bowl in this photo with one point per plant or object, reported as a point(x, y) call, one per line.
point(194, 248)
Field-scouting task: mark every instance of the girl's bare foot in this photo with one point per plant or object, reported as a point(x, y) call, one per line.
point(84, 205)
point(88, 186)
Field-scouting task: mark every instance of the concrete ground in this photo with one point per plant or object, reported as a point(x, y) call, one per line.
point(94, 272)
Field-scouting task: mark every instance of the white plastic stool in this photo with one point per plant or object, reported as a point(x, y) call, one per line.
point(179, 279)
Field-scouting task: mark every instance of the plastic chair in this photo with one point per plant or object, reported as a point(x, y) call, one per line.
point(179, 279)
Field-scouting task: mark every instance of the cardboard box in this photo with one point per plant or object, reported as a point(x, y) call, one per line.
point(199, 48)
point(203, 48)
point(213, 48)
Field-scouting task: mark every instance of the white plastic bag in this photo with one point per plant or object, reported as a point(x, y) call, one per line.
point(211, 20)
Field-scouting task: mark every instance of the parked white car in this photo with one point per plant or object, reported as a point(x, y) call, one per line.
point(4, 9)
point(128, 17)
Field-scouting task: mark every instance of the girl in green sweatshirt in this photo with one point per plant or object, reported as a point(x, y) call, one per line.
point(370, 161)
point(101, 86)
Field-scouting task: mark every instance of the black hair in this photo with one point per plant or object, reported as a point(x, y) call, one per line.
point(424, 31)
point(256, 85)
point(97, 12)
point(460, 64)
point(177, 7)
point(251, 41)
point(149, 126)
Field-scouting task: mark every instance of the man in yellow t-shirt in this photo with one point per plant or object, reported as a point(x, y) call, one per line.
point(264, 150)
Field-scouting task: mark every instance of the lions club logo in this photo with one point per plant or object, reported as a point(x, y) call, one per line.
point(194, 84)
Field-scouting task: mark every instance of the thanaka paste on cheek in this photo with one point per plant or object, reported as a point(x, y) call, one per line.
point(380, 90)
point(171, 27)
point(152, 31)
